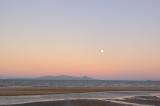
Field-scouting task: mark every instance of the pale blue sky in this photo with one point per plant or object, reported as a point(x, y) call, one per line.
point(123, 28)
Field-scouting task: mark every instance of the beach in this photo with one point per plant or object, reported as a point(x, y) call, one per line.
point(72, 103)
point(147, 100)
point(20, 91)
point(79, 93)
point(79, 96)
point(129, 101)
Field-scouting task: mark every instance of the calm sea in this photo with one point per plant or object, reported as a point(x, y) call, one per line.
point(76, 83)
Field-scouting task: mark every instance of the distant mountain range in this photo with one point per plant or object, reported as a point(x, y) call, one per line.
point(64, 77)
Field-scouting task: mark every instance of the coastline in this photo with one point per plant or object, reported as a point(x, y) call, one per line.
point(22, 91)
point(79, 96)
point(129, 101)
point(80, 102)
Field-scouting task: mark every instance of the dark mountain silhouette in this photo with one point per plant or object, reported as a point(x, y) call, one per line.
point(64, 77)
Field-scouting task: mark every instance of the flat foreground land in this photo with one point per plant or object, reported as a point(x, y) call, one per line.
point(19, 91)
point(145, 100)
point(72, 103)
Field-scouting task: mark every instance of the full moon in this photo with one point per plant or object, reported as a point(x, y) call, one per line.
point(101, 50)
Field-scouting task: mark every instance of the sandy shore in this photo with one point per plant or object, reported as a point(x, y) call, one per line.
point(19, 91)
point(133, 97)
point(145, 100)
point(72, 103)
point(133, 101)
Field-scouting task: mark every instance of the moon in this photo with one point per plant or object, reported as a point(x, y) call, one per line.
point(102, 51)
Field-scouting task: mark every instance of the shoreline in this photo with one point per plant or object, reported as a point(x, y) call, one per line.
point(110, 98)
point(129, 101)
point(78, 102)
point(27, 91)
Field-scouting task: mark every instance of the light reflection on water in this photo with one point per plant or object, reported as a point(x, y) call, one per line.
point(6, 100)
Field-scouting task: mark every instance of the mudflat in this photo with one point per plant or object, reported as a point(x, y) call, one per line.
point(72, 103)
point(20, 91)
point(145, 100)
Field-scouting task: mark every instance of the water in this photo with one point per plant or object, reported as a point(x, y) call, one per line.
point(8, 100)
point(76, 83)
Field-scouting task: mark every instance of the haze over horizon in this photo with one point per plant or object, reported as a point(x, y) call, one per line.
point(104, 39)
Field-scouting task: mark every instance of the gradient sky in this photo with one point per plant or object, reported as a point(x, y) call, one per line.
point(54, 37)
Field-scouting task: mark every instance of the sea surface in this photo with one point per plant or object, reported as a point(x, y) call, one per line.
point(76, 83)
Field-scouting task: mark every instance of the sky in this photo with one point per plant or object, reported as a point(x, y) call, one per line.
point(54, 37)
